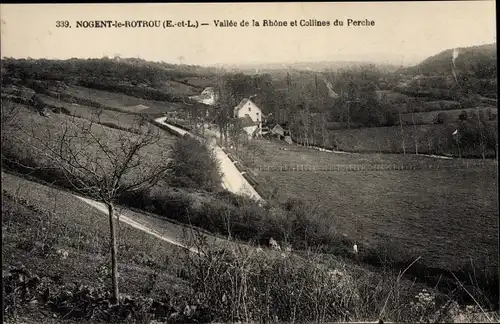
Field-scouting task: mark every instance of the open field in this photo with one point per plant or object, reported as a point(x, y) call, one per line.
point(431, 139)
point(447, 217)
point(122, 120)
point(32, 130)
point(430, 117)
point(446, 213)
point(179, 89)
point(263, 153)
point(200, 82)
point(121, 101)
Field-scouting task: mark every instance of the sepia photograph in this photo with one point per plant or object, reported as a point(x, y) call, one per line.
point(294, 162)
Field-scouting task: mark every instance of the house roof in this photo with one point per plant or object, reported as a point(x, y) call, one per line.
point(244, 102)
point(276, 127)
point(240, 105)
point(247, 121)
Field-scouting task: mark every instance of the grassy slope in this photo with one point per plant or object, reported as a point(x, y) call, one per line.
point(120, 101)
point(272, 152)
point(389, 139)
point(446, 216)
point(71, 224)
point(82, 231)
point(51, 127)
point(106, 116)
point(64, 222)
point(452, 115)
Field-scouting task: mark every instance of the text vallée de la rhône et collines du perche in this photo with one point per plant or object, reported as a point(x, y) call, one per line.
point(294, 23)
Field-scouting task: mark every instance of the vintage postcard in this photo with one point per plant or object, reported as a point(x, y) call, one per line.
point(250, 162)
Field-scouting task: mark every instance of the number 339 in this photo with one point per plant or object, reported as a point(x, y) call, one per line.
point(62, 24)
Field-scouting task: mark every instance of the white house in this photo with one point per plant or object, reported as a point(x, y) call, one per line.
point(207, 96)
point(249, 112)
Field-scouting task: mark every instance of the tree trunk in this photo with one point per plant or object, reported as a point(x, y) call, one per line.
point(114, 265)
point(222, 133)
point(415, 137)
point(402, 133)
point(348, 116)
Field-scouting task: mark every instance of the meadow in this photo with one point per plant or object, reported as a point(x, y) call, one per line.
point(429, 139)
point(448, 217)
point(121, 101)
point(179, 88)
point(263, 153)
point(430, 117)
point(444, 210)
point(33, 134)
point(103, 116)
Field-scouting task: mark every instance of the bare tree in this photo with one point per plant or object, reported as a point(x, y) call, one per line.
point(415, 135)
point(102, 165)
point(402, 133)
point(482, 129)
point(235, 131)
point(224, 106)
point(324, 132)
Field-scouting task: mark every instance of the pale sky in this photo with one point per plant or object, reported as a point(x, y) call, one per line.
point(414, 30)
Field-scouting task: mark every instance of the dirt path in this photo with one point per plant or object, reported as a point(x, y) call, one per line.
point(123, 218)
point(168, 231)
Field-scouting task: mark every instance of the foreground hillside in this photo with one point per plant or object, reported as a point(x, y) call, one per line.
point(54, 245)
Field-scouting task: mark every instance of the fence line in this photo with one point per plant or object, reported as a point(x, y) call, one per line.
point(372, 167)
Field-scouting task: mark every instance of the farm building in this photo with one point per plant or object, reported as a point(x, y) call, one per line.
point(250, 127)
point(281, 133)
point(251, 116)
point(208, 96)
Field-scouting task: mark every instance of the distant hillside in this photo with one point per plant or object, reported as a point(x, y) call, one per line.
point(476, 73)
point(136, 77)
point(307, 66)
point(479, 61)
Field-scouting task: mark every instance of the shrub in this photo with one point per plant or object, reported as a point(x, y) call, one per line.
point(194, 165)
point(239, 284)
point(440, 118)
point(463, 115)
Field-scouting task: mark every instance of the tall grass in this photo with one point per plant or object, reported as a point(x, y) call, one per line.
point(249, 285)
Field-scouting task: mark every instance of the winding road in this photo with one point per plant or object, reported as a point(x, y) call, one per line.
point(232, 179)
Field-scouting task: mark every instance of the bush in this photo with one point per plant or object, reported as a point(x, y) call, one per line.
point(239, 284)
point(194, 165)
point(463, 115)
point(477, 137)
point(440, 118)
